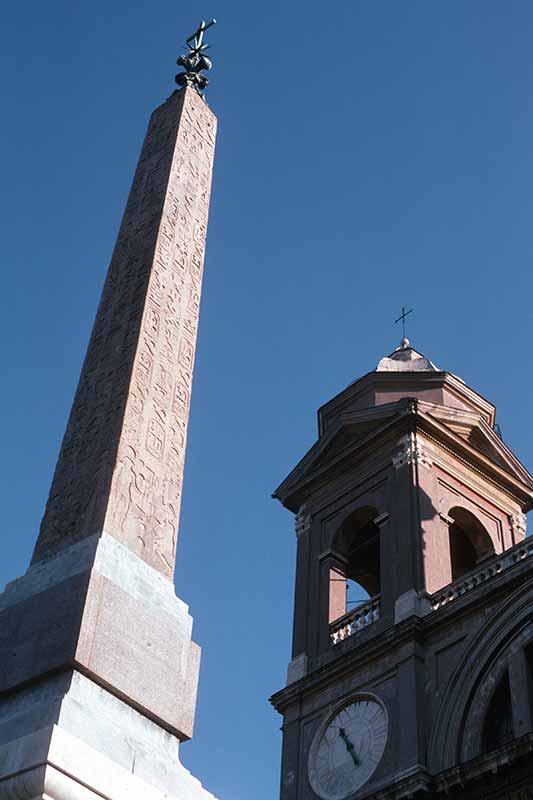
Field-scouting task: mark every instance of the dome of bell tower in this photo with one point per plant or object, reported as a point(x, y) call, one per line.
point(406, 359)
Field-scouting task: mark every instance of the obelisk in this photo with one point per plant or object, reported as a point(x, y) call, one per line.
point(98, 671)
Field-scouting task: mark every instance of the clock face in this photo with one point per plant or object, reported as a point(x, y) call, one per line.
point(348, 747)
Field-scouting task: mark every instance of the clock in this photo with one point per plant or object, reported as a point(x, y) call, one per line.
point(348, 746)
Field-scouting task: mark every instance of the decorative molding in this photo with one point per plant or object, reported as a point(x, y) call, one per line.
point(412, 406)
point(411, 452)
point(302, 521)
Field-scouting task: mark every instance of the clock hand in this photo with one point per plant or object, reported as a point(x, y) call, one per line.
point(349, 746)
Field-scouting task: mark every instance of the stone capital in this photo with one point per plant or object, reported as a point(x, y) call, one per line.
point(519, 526)
point(411, 451)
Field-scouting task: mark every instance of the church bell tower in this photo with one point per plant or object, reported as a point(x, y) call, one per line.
point(412, 660)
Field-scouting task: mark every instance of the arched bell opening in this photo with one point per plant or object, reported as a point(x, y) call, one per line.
point(470, 542)
point(356, 575)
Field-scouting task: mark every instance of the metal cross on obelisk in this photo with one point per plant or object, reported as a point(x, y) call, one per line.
point(198, 35)
point(402, 317)
point(196, 61)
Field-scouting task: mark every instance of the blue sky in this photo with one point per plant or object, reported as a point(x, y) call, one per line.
point(370, 155)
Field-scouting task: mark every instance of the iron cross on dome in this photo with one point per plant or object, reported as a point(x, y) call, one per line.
point(402, 317)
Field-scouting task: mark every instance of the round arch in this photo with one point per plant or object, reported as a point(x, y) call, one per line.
point(470, 542)
point(357, 542)
point(457, 729)
point(355, 572)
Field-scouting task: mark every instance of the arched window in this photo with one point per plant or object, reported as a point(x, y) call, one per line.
point(356, 577)
point(498, 725)
point(470, 543)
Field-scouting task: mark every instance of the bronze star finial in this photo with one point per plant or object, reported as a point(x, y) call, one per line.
point(196, 60)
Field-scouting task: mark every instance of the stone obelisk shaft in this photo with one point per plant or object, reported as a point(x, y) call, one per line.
point(120, 468)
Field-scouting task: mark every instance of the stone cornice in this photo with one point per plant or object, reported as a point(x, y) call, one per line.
point(416, 380)
point(379, 639)
point(458, 777)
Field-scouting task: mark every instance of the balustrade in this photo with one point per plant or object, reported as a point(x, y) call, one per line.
point(356, 619)
point(485, 572)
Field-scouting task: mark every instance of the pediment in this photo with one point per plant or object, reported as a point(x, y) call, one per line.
point(476, 432)
point(481, 442)
point(487, 441)
point(346, 434)
point(349, 430)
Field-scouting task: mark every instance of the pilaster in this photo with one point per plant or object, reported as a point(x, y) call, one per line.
point(405, 512)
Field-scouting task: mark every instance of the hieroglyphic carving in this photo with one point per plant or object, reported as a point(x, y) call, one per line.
point(122, 458)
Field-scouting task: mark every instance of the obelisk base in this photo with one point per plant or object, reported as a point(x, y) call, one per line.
point(98, 608)
point(98, 680)
point(69, 739)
